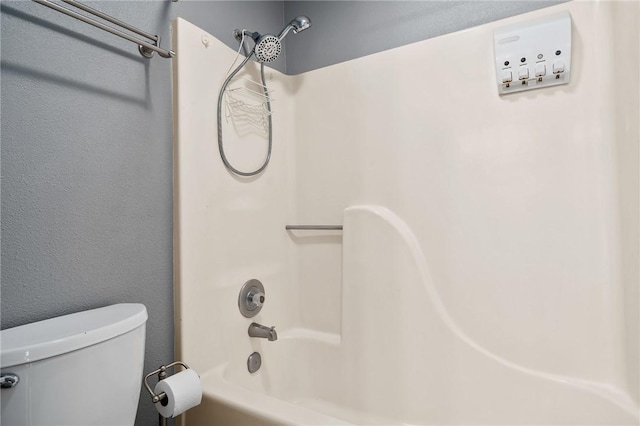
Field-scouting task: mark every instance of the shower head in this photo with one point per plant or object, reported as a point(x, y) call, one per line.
point(268, 46)
point(300, 23)
point(297, 24)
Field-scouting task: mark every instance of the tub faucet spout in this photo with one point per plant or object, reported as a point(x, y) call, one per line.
point(257, 330)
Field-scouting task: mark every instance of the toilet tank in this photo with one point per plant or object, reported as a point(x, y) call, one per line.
point(80, 369)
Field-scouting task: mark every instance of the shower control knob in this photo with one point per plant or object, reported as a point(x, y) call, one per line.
point(255, 299)
point(251, 298)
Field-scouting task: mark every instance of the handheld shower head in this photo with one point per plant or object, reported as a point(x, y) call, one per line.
point(297, 24)
point(300, 23)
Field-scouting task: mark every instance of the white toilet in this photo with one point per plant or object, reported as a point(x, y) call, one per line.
point(79, 369)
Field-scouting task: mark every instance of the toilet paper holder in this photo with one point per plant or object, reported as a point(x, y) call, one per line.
point(162, 374)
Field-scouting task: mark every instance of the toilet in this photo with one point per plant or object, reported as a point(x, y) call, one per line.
point(80, 369)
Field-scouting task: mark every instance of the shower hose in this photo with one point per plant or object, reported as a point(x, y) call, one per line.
point(220, 143)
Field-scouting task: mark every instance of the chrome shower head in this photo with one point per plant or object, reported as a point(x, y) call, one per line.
point(297, 24)
point(300, 23)
point(267, 48)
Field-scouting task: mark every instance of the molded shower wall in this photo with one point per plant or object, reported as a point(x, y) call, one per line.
point(523, 207)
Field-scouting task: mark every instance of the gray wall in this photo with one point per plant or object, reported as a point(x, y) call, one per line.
point(344, 30)
point(86, 141)
point(87, 162)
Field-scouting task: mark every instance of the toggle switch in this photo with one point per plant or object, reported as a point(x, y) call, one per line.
point(507, 77)
point(558, 67)
point(523, 73)
point(541, 69)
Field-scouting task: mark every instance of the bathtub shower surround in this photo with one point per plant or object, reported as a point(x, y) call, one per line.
point(487, 270)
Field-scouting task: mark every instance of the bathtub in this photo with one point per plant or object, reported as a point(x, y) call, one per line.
point(291, 388)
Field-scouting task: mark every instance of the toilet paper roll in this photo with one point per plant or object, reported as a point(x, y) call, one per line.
point(183, 390)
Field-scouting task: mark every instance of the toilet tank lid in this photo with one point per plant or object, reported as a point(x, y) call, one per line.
point(56, 336)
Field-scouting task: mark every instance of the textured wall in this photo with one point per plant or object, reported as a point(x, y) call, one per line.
point(343, 30)
point(87, 162)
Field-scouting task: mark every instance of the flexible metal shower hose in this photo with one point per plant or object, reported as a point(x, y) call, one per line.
point(220, 144)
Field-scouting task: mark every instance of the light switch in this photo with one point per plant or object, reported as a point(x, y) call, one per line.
point(558, 67)
point(541, 69)
point(523, 73)
point(507, 77)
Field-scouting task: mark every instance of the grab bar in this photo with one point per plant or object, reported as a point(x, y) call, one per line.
point(313, 227)
point(146, 49)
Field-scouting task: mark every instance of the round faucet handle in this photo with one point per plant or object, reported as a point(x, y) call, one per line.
point(255, 299)
point(251, 298)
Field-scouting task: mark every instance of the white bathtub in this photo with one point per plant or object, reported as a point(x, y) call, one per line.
point(295, 386)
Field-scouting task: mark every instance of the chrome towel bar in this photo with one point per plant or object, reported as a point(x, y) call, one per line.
point(313, 227)
point(146, 49)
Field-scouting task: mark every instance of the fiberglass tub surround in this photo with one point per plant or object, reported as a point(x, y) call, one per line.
point(483, 274)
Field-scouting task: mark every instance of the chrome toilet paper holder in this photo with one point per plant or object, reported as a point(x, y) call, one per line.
point(162, 374)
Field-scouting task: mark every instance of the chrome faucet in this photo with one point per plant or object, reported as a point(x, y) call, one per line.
point(257, 330)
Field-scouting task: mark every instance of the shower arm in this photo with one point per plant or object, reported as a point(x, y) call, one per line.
point(237, 34)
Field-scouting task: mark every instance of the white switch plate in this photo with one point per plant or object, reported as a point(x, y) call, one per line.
point(545, 41)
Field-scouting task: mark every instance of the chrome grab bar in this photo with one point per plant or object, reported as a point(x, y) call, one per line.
point(313, 227)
